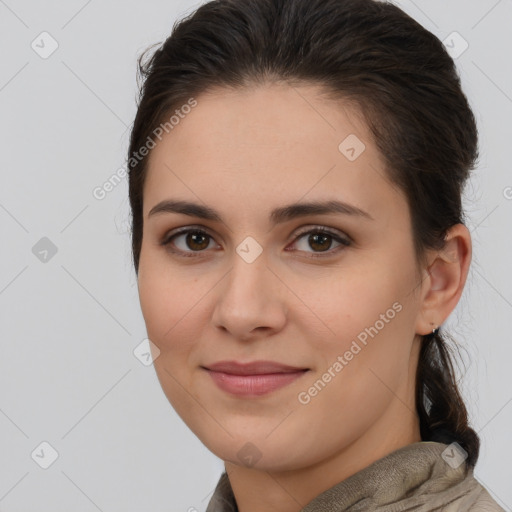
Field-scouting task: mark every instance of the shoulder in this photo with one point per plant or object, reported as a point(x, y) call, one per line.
point(476, 499)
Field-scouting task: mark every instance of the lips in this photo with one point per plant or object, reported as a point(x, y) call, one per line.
point(252, 379)
point(252, 368)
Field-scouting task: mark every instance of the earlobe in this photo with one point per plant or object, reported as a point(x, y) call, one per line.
point(447, 274)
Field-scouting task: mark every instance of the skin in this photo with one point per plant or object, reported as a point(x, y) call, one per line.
point(244, 153)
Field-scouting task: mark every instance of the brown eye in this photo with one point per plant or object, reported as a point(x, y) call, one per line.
point(196, 240)
point(190, 241)
point(320, 240)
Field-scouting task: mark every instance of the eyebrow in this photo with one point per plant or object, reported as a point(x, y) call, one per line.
point(277, 215)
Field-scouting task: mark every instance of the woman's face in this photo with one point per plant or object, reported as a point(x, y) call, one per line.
point(341, 307)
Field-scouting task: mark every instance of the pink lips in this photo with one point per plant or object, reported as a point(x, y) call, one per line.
point(252, 379)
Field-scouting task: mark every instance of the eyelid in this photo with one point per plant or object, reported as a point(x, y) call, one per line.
point(339, 236)
point(184, 230)
point(323, 229)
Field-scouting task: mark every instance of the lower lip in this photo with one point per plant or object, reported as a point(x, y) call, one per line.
point(253, 385)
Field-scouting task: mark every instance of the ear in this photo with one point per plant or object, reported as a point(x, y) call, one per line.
point(445, 279)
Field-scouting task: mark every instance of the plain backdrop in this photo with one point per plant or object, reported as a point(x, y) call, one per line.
point(70, 316)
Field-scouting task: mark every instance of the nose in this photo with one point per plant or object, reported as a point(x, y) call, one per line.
point(250, 299)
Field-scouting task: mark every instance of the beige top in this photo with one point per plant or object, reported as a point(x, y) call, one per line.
point(415, 478)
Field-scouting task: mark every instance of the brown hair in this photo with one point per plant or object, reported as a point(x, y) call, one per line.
point(365, 51)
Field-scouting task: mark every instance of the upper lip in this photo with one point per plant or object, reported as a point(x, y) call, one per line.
point(252, 368)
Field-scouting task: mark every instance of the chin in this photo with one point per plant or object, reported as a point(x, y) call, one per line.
point(258, 451)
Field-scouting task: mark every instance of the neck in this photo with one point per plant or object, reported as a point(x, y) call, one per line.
point(290, 491)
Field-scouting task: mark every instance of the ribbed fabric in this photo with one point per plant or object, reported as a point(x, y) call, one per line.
point(413, 478)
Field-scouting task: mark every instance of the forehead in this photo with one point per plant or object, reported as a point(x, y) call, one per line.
point(268, 145)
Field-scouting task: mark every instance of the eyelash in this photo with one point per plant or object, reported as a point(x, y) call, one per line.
point(345, 242)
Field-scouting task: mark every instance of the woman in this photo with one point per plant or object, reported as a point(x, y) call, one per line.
point(295, 179)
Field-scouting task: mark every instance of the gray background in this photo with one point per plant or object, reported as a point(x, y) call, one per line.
point(70, 321)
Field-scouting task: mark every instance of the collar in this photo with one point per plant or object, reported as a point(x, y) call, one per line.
point(404, 480)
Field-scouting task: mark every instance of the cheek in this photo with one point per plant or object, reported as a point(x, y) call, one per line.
point(157, 305)
point(347, 303)
point(173, 303)
point(168, 304)
point(163, 297)
point(370, 318)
